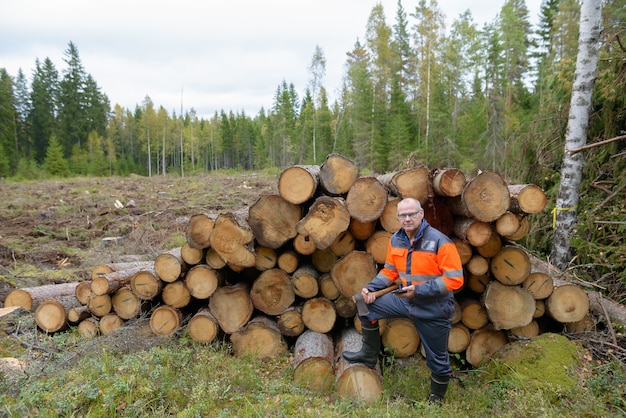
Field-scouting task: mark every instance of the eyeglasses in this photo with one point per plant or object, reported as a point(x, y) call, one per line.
point(402, 216)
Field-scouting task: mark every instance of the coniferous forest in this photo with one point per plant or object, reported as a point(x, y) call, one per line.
point(414, 92)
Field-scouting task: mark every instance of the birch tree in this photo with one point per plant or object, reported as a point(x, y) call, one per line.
point(565, 212)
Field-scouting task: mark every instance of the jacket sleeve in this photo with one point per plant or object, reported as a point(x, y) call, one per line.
point(387, 275)
point(451, 274)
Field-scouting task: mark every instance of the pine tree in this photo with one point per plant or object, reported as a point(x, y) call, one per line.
point(55, 163)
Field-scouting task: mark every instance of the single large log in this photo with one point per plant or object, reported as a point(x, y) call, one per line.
point(313, 361)
point(343, 244)
point(176, 294)
point(527, 198)
point(273, 220)
point(51, 316)
point(355, 381)
point(511, 265)
point(304, 244)
point(366, 199)
point(568, 303)
point(539, 284)
point(377, 245)
point(459, 338)
point(485, 198)
point(352, 272)
point(126, 304)
point(362, 230)
point(29, 297)
point(202, 281)
point(319, 315)
point(508, 306)
point(448, 182)
point(272, 292)
point(326, 219)
point(100, 305)
point(483, 344)
point(290, 322)
point(120, 278)
point(337, 174)
point(102, 269)
point(400, 337)
point(169, 266)
point(411, 182)
point(323, 260)
point(89, 328)
point(191, 256)
point(203, 327)
point(299, 183)
point(165, 320)
point(231, 306)
point(199, 230)
point(327, 287)
point(266, 258)
point(472, 231)
point(288, 261)
point(110, 322)
point(230, 238)
point(389, 218)
point(473, 314)
point(260, 338)
point(304, 281)
point(145, 284)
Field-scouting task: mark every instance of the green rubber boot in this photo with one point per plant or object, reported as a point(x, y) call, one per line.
point(438, 388)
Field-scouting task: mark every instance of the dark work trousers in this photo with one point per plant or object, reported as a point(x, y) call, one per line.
point(432, 319)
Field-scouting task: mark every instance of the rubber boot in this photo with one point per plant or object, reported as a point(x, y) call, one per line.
point(371, 347)
point(438, 388)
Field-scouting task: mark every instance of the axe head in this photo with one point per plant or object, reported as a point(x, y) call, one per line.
point(361, 306)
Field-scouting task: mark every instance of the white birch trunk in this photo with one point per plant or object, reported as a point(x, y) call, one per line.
point(576, 135)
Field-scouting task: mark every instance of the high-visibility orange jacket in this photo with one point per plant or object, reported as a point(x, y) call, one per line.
point(432, 263)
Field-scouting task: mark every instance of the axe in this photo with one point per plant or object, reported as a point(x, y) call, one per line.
point(362, 306)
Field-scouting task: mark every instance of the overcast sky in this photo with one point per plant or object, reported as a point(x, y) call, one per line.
point(227, 54)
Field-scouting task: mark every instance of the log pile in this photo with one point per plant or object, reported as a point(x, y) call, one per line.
point(282, 274)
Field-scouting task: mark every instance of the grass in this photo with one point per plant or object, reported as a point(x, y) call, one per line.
point(118, 375)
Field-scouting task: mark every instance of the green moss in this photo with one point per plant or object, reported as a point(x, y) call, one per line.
point(548, 360)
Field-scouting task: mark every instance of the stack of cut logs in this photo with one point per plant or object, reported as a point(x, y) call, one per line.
point(282, 273)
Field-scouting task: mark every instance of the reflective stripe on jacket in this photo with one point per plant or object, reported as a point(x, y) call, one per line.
point(433, 263)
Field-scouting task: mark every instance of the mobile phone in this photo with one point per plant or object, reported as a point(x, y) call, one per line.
point(399, 291)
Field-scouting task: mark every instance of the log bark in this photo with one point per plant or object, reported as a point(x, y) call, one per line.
point(366, 199)
point(352, 272)
point(527, 198)
point(448, 182)
point(508, 306)
point(260, 338)
point(355, 381)
point(230, 239)
point(165, 320)
point(30, 297)
point(400, 337)
point(483, 344)
point(319, 315)
point(273, 220)
point(299, 183)
point(199, 231)
point(337, 174)
point(202, 281)
point(411, 182)
point(203, 327)
point(272, 292)
point(511, 265)
point(102, 269)
point(326, 219)
point(313, 361)
point(231, 306)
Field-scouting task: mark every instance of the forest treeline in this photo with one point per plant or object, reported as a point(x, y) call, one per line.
point(494, 97)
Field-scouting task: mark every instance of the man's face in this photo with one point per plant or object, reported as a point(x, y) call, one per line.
point(410, 216)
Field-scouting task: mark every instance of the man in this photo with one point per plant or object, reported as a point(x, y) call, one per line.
point(429, 269)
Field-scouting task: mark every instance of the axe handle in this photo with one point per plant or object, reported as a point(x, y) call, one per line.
point(384, 291)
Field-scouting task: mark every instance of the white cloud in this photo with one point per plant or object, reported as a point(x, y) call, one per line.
point(229, 55)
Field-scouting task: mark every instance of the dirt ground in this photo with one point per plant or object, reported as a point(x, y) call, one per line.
point(56, 231)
